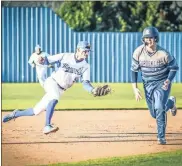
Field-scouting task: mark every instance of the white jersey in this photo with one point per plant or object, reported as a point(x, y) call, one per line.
point(70, 70)
point(41, 70)
point(34, 59)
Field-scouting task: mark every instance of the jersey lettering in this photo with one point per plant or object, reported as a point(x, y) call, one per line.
point(69, 69)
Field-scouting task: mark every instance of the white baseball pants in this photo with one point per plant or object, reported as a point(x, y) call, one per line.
point(53, 91)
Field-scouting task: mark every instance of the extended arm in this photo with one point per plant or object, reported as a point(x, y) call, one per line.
point(134, 76)
point(96, 91)
point(54, 58)
point(173, 68)
point(86, 80)
point(31, 61)
point(51, 59)
point(87, 86)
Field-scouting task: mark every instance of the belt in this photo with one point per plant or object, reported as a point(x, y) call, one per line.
point(59, 85)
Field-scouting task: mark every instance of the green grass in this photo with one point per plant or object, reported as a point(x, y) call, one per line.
point(26, 95)
point(173, 158)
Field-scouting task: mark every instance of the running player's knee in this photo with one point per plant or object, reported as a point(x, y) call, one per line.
point(160, 115)
point(160, 107)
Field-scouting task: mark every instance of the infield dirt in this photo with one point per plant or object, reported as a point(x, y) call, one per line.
point(84, 135)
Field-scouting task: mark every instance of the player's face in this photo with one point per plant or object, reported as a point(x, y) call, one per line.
point(38, 50)
point(83, 54)
point(150, 41)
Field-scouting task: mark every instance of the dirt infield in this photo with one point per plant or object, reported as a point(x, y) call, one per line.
point(85, 135)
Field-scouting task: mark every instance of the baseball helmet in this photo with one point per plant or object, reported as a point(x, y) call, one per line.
point(151, 32)
point(37, 47)
point(84, 45)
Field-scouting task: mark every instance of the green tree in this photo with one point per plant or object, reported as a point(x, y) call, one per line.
point(169, 17)
point(150, 15)
point(78, 15)
point(122, 16)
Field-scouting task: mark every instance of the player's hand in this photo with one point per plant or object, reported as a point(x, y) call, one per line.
point(137, 93)
point(166, 84)
point(33, 65)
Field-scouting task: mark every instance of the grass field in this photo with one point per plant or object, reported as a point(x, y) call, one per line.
point(159, 159)
point(26, 95)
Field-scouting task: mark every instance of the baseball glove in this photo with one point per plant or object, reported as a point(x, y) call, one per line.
point(41, 60)
point(101, 90)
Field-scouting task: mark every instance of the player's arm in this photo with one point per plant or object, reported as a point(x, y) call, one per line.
point(95, 91)
point(31, 61)
point(135, 67)
point(86, 80)
point(51, 59)
point(46, 54)
point(54, 58)
point(173, 68)
point(134, 78)
point(49, 65)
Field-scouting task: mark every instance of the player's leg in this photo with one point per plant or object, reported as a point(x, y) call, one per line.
point(48, 103)
point(18, 113)
point(27, 112)
point(42, 76)
point(160, 100)
point(49, 113)
point(55, 94)
point(150, 101)
point(171, 105)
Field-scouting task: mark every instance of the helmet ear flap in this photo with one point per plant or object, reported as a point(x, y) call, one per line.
point(156, 39)
point(142, 39)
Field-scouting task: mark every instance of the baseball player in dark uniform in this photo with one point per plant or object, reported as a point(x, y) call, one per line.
point(158, 68)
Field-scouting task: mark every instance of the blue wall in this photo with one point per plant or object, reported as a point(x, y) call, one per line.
point(24, 28)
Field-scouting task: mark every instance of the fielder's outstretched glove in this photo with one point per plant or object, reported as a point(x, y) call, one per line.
point(101, 90)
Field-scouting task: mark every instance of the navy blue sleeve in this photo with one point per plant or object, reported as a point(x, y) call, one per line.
point(173, 68)
point(171, 75)
point(134, 76)
point(172, 65)
point(87, 86)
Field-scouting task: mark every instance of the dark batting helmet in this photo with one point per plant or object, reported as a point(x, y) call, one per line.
point(151, 32)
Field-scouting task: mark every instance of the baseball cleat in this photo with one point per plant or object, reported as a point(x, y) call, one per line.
point(161, 141)
point(49, 128)
point(174, 109)
point(9, 117)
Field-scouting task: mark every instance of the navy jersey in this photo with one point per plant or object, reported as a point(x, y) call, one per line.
point(154, 66)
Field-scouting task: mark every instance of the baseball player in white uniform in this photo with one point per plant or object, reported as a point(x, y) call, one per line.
point(72, 67)
point(41, 70)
